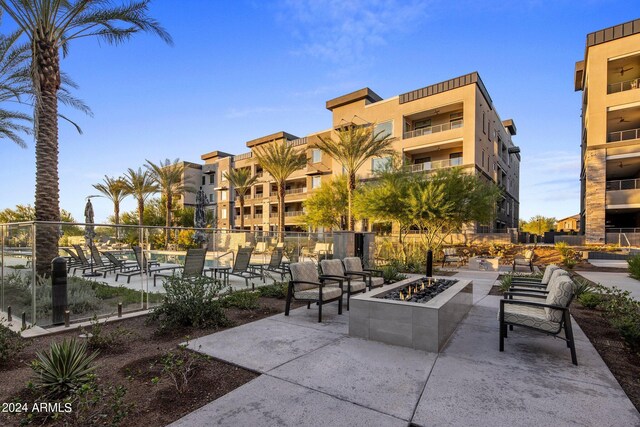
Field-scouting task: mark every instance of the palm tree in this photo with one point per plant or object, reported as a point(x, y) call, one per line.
point(241, 180)
point(280, 160)
point(170, 179)
point(140, 185)
point(50, 25)
point(115, 190)
point(354, 147)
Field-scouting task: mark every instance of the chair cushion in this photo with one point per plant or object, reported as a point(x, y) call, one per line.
point(377, 281)
point(332, 267)
point(534, 317)
point(548, 272)
point(356, 285)
point(306, 272)
point(353, 263)
point(560, 291)
point(328, 292)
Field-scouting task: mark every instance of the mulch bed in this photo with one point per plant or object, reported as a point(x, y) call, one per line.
point(134, 366)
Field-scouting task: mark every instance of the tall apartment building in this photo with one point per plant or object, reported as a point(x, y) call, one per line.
point(449, 124)
point(609, 78)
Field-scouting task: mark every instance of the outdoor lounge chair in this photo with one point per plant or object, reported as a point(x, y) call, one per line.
point(525, 260)
point(275, 263)
point(193, 265)
point(242, 268)
point(85, 264)
point(144, 266)
point(334, 269)
point(353, 266)
point(306, 285)
point(451, 255)
point(118, 264)
point(549, 275)
point(320, 251)
point(544, 280)
point(73, 260)
point(548, 313)
point(261, 248)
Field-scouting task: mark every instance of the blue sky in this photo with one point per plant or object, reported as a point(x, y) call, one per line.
point(243, 69)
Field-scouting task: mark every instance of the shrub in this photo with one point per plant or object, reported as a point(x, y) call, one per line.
point(11, 344)
point(634, 266)
point(98, 339)
point(64, 368)
point(505, 282)
point(590, 300)
point(277, 290)
point(190, 302)
point(244, 300)
point(563, 248)
point(583, 286)
point(180, 366)
point(391, 274)
point(98, 406)
point(624, 314)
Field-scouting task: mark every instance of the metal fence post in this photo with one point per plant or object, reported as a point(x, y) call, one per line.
point(33, 273)
point(2, 232)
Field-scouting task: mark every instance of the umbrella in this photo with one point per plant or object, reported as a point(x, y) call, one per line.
point(89, 232)
point(200, 217)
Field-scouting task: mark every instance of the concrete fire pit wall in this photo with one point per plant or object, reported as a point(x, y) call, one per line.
point(421, 326)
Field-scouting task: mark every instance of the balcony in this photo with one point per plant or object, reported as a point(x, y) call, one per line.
point(297, 142)
point(290, 191)
point(455, 124)
point(257, 215)
point(622, 194)
point(623, 184)
point(243, 156)
point(436, 164)
point(623, 135)
point(623, 86)
point(287, 214)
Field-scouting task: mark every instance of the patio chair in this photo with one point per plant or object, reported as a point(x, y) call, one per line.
point(526, 260)
point(261, 248)
point(306, 285)
point(242, 268)
point(118, 264)
point(319, 251)
point(85, 264)
point(544, 280)
point(275, 263)
point(549, 274)
point(143, 265)
point(451, 255)
point(334, 269)
point(193, 265)
point(550, 316)
point(73, 260)
point(353, 266)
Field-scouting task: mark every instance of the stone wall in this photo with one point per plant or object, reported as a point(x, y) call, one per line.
point(595, 195)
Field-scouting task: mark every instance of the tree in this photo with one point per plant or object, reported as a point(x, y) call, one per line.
point(538, 225)
point(50, 25)
point(114, 189)
point(353, 148)
point(26, 213)
point(241, 180)
point(170, 180)
point(140, 185)
point(280, 160)
point(327, 206)
point(442, 202)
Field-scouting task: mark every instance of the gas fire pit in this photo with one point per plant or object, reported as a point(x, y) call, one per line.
point(422, 290)
point(417, 312)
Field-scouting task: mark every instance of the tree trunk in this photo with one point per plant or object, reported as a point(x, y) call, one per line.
point(116, 214)
point(241, 201)
point(140, 211)
point(351, 185)
point(281, 187)
point(168, 221)
point(47, 198)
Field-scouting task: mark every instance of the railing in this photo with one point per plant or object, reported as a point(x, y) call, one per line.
point(622, 230)
point(246, 196)
point(623, 86)
point(296, 142)
point(624, 135)
point(258, 215)
point(291, 191)
point(455, 124)
point(294, 213)
point(243, 156)
point(436, 164)
point(623, 184)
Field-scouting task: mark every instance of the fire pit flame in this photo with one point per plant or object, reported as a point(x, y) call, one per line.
point(421, 290)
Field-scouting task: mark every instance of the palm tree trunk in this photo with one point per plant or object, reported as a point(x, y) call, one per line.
point(241, 201)
point(140, 211)
point(116, 214)
point(47, 197)
point(168, 221)
point(351, 185)
point(281, 186)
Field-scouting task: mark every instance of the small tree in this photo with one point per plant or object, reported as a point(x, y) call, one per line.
point(538, 225)
point(115, 190)
point(241, 180)
point(139, 185)
point(327, 206)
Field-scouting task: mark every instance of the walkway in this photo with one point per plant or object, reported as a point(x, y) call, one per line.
point(619, 280)
point(315, 374)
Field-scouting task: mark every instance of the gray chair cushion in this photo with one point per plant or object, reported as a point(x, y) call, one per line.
point(534, 317)
point(332, 267)
point(328, 292)
point(355, 286)
point(377, 281)
point(353, 263)
point(560, 292)
point(547, 273)
point(306, 272)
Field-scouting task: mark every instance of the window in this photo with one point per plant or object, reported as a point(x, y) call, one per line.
point(455, 120)
point(212, 198)
point(385, 127)
point(380, 164)
point(455, 159)
point(223, 213)
point(484, 128)
point(203, 179)
point(212, 178)
point(421, 124)
point(223, 195)
point(316, 155)
point(482, 159)
point(316, 181)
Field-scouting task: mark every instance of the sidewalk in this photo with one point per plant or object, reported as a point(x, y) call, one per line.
point(315, 374)
point(619, 280)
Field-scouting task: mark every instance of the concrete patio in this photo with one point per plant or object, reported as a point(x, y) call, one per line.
point(315, 374)
point(619, 280)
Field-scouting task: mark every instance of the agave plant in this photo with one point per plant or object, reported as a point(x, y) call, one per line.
point(64, 368)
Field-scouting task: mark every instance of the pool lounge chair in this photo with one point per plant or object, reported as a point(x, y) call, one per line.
point(193, 266)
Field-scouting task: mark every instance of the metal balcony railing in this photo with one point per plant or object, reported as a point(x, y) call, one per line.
point(455, 124)
point(290, 191)
point(436, 164)
point(623, 184)
point(624, 135)
point(623, 86)
point(258, 215)
point(287, 213)
point(296, 142)
point(243, 156)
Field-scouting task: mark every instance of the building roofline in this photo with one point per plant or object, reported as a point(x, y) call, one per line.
point(214, 154)
point(445, 86)
point(613, 33)
point(364, 93)
point(269, 138)
point(569, 217)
